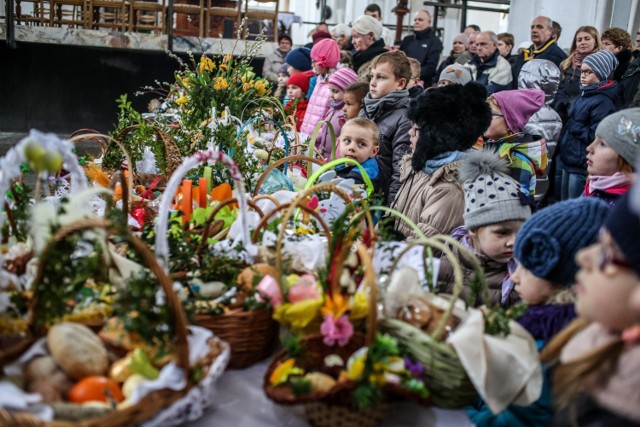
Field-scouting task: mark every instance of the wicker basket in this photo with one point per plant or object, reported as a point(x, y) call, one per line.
point(252, 334)
point(332, 407)
point(157, 403)
point(288, 162)
point(447, 378)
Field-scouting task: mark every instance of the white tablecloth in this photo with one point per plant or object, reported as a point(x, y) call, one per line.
point(242, 403)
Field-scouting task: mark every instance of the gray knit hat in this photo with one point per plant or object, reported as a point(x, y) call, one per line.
point(456, 73)
point(621, 131)
point(491, 196)
point(602, 63)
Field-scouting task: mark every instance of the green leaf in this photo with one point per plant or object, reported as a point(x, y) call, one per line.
point(200, 215)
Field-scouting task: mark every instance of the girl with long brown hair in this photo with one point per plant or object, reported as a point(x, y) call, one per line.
point(596, 360)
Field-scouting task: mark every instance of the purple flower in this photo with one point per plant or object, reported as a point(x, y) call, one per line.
point(415, 368)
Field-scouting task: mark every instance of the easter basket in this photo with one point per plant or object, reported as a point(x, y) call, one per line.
point(329, 374)
point(251, 333)
point(446, 376)
point(184, 388)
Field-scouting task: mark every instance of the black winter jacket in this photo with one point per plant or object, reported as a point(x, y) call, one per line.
point(586, 112)
point(549, 51)
point(426, 47)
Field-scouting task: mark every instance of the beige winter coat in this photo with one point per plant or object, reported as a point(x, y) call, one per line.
point(434, 202)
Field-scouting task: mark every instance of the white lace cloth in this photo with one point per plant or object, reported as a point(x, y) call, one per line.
point(190, 407)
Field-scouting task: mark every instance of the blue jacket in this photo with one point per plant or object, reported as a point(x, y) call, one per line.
point(586, 112)
point(370, 167)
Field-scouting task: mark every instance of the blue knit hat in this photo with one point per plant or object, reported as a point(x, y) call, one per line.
point(624, 226)
point(299, 58)
point(602, 63)
point(547, 243)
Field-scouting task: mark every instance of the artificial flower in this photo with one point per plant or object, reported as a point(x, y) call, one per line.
point(281, 373)
point(336, 331)
point(298, 315)
point(335, 305)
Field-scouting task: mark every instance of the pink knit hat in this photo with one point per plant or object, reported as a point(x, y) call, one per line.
point(343, 78)
point(519, 105)
point(326, 53)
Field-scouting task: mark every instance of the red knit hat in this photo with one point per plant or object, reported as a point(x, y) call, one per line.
point(320, 35)
point(301, 80)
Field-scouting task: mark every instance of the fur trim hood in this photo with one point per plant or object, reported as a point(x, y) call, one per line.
point(477, 163)
point(451, 118)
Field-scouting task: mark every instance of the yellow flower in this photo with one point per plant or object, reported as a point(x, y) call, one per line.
point(182, 100)
point(260, 87)
point(283, 370)
point(359, 305)
point(186, 82)
point(227, 58)
point(224, 67)
point(246, 87)
point(206, 64)
point(248, 76)
point(221, 83)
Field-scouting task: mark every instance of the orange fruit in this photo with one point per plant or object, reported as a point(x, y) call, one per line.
point(97, 388)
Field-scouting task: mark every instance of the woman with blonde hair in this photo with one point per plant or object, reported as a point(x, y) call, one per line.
point(366, 36)
point(585, 42)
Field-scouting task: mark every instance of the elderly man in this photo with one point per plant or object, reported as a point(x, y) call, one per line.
point(423, 45)
point(487, 66)
point(544, 46)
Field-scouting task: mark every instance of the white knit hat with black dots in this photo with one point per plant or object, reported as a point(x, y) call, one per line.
point(491, 196)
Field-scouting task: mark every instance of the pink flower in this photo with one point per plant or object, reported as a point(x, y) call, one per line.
point(270, 288)
point(304, 289)
point(339, 331)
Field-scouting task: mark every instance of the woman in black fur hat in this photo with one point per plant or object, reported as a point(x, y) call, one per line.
point(447, 121)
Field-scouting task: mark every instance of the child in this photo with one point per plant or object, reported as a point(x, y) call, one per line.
point(545, 249)
point(430, 193)
point(387, 104)
point(298, 60)
point(454, 74)
point(544, 75)
point(337, 83)
point(598, 356)
point(415, 85)
point(527, 154)
point(281, 90)
point(353, 96)
point(297, 87)
point(585, 113)
point(493, 215)
point(359, 141)
point(611, 156)
point(325, 56)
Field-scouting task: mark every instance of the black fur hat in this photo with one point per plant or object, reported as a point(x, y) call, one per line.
point(450, 118)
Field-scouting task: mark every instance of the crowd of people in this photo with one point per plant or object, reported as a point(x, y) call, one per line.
point(527, 158)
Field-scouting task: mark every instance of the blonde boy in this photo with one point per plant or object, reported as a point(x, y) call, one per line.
point(359, 140)
point(387, 104)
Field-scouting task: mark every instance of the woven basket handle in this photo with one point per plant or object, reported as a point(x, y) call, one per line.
point(171, 150)
point(371, 282)
point(298, 157)
point(10, 168)
point(119, 177)
point(265, 219)
point(295, 204)
point(148, 259)
point(162, 225)
point(458, 277)
point(218, 208)
point(82, 135)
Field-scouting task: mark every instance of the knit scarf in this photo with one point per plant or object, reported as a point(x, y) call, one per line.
point(361, 57)
point(618, 183)
point(441, 160)
point(577, 58)
point(371, 105)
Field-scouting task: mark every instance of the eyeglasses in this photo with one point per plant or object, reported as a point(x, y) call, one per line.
point(610, 256)
point(586, 73)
